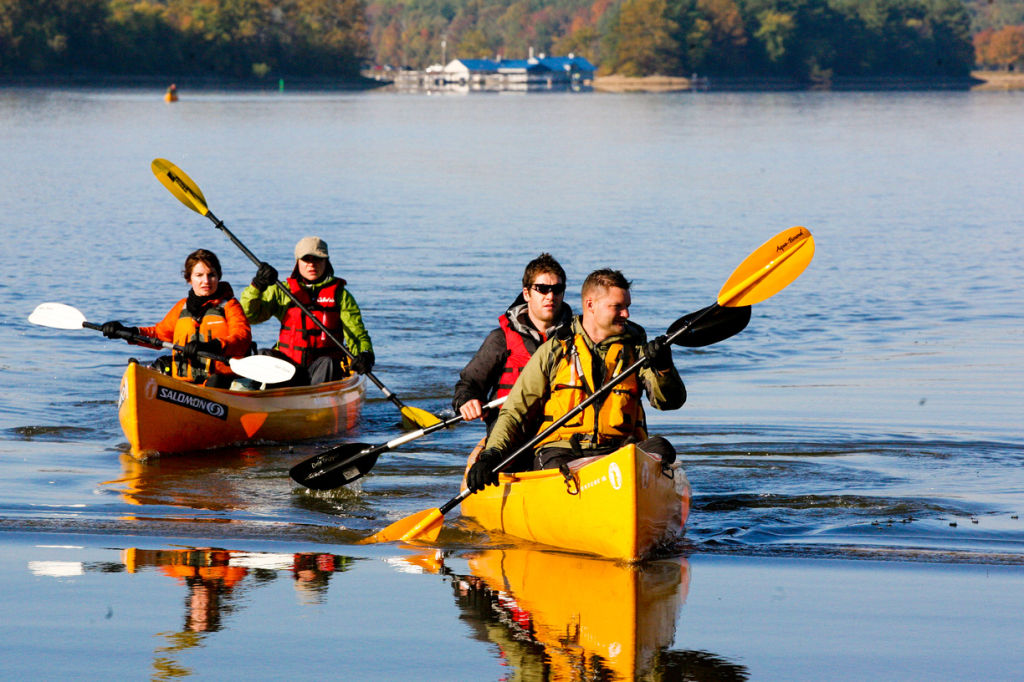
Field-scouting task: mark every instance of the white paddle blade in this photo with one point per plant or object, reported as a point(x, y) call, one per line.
point(57, 316)
point(262, 368)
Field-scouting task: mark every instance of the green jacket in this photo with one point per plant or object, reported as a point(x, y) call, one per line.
point(519, 418)
point(273, 302)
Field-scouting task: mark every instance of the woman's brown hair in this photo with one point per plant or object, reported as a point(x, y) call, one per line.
point(207, 258)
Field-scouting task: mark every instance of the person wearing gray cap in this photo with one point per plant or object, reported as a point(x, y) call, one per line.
point(301, 341)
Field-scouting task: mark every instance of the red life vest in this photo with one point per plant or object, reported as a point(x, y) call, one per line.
point(300, 338)
point(518, 356)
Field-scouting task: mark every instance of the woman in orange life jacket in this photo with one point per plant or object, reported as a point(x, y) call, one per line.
point(208, 320)
point(536, 314)
point(316, 357)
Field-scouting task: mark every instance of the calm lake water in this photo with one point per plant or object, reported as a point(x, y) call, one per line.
point(871, 410)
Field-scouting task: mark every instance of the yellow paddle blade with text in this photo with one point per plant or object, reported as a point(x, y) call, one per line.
point(769, 269)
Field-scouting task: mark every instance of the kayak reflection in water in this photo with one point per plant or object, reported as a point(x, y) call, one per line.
point(539, 609)
point(312, 572)
point(209, 576)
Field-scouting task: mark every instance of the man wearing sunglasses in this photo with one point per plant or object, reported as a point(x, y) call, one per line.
point(536, 314)
point(316, 357)
point(572, 366)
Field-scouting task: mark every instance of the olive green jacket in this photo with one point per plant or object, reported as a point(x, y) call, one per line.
point(521, 414)
point(273, 302)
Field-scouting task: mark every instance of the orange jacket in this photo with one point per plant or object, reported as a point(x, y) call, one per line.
point(222, 319)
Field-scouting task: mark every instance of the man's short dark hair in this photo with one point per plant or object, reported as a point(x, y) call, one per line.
point(604, 278)
point(544, 263)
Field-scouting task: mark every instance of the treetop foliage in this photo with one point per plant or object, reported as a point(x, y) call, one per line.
point(808, 40)
point(228, 38)
point(804, 39)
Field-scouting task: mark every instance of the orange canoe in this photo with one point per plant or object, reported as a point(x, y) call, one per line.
point(160, 414)
point(622, 506)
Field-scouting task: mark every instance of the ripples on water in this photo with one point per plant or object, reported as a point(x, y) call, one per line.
point(872, 407)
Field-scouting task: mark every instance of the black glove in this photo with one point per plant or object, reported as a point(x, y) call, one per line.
point(363, 362)
point(116, 330)
point(658, 354)
point(266, 276)
point(193, 348)
point(482, 472)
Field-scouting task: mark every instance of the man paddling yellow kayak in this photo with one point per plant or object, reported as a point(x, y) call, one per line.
point(572, 366)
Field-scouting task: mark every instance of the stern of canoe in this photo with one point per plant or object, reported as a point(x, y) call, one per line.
point(127, 407)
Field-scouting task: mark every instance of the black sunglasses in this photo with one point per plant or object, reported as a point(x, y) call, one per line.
point(545, 289)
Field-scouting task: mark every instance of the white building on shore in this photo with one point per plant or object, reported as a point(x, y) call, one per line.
point(535, 74)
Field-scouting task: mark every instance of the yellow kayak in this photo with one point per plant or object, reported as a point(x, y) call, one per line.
point(620, 506)
point(160, 414)
point(595, 619)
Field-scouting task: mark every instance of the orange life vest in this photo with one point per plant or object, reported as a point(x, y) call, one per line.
point(212, 325)
point(618, 416)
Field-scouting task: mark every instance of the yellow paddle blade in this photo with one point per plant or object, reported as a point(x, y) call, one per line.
point(180, 185)
point(420, 419)
point(769, 269)
point(424, 526)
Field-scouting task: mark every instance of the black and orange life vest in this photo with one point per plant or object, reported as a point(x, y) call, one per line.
point(212, 325)
point(518, 356)
point(620, 415)
point(300, 338)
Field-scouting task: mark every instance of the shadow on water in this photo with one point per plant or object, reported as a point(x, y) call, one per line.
point(55, 434)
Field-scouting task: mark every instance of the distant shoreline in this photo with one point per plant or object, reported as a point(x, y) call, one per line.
point(999, 80)
point(979, 80)
point(195, 83)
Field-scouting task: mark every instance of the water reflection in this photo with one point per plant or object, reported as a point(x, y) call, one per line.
point(545, 615)
point(556, 616)
point(215, 579)
point(196, 482)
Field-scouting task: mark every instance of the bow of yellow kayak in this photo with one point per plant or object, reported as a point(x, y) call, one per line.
point(622, 506)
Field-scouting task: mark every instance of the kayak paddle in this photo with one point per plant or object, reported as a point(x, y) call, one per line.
point(188, 193)
point(346, 463)
point(764, 273)
point(262, 368)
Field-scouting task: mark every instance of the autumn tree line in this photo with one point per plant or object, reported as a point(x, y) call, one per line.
point(236, 39)
point(808, 40)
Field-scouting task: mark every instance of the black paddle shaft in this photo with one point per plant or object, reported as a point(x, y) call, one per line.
point(594, 397)
point(150, 341)
point(321, 472)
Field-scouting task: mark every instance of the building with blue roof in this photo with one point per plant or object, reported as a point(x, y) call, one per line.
point(533, 74)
